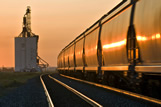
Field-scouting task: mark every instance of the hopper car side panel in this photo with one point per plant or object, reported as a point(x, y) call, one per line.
point(58, 61)
point(147, 22)
point(91, 42)
point(79, 54)
point(66, 57)
point(71, 56)
point(63, 60)
point(114, 39)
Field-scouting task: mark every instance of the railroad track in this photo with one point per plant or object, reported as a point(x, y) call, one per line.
point(139, 96)
point(62, 90)
point(50, 96)
point(50, 103)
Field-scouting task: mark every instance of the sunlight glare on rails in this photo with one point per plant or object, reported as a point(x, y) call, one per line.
point(87, 99)
point(150, 99)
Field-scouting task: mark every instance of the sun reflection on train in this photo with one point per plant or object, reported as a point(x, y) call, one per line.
point(115, 44)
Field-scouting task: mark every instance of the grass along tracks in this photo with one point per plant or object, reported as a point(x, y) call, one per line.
point(12, 80)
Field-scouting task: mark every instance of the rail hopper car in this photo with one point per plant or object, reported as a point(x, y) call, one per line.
point(122, 49)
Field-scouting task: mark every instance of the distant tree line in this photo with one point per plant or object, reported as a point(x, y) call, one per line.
point(7, 69)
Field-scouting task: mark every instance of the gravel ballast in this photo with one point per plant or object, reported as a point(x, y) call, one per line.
point(31, 94)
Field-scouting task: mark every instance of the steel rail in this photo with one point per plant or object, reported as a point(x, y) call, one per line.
point(46, 93)
point(139, 96)
point(87, 99)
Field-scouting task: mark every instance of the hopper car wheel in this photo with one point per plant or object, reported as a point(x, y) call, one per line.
point(88, 77)
point(112, 80)
point(94, 77)
point(153, 90)
point(104, 81)
point(85, 75)
point(67, 72)
point(72, 73)
point(80, 75)
point(91, 76)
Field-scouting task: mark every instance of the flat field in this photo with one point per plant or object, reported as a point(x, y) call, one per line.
point(12, 80)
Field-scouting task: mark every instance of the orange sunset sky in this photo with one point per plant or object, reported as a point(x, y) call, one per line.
point(57, 22)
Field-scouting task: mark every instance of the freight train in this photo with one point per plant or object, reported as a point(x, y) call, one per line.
point(122, 49)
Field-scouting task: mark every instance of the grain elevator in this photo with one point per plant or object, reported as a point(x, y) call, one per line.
point(26, 48)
